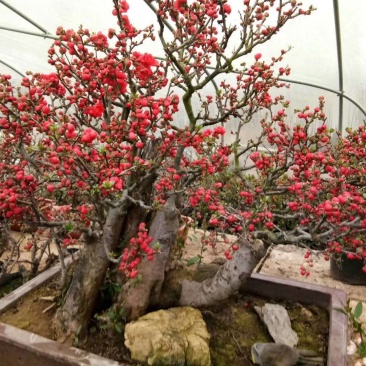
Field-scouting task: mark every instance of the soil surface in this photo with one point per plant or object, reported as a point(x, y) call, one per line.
point(233, 325)
point(30, 312)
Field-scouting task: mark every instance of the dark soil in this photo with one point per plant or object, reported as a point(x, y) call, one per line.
point(11, 286)
point(234, 326)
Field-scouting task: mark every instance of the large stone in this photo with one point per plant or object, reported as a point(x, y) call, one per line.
point(177, 336)
point(278, 322)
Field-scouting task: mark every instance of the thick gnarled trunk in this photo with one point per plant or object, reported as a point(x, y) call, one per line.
point(229, 278)
point(164, 229)
point(73, 317)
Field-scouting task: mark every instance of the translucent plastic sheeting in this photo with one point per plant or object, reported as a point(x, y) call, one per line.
point(313, 58)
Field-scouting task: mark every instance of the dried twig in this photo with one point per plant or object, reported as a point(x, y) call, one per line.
point(240, 350)
point(47, 298)
point(49, 308)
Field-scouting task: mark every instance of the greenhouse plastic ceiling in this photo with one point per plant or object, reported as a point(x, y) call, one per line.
point(319, 57)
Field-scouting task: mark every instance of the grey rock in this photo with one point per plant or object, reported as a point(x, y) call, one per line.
point(278, 323)
point(177, 336)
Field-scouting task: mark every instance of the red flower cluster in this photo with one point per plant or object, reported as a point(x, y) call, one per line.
point(132, 256)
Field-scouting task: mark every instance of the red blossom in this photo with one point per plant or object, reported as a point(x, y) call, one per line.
point(227, 8)
point(89, 135)
point(95, 111)
point(257, 56)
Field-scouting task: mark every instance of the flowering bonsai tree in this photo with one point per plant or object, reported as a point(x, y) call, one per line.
point(306, 187)
point(95, 148)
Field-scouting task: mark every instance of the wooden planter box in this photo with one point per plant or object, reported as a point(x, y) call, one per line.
point(21, 348)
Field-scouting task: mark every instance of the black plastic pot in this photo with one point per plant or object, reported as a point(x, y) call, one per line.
point(347, 270)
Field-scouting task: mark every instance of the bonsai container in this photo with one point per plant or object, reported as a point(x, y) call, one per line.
point(21, 348)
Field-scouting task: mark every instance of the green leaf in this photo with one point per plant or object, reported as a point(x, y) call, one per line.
point(121, 311)
point(108, 184)
point(69, 227)
point(362, 349)
point(118, 328)
point(341, 310)
point(358, 309)
point(116, 287)
point(193, 260)
point(157, 246)
point(111, 314)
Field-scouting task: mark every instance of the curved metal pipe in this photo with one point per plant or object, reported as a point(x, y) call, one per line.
point(16, 11)
point(16, 30)
point(338, 92)
point(340, 62)
point(11, 67)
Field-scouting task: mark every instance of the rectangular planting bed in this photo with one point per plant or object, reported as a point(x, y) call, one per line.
point(21, 348)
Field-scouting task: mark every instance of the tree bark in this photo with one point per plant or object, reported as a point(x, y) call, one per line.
point(73, 317)
point(4, 240)
point(229, 278)
point(136, 213)
point(164, 229)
